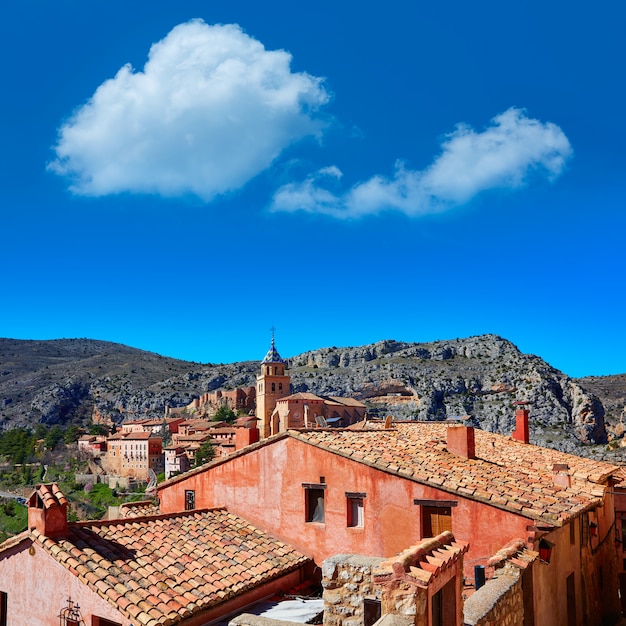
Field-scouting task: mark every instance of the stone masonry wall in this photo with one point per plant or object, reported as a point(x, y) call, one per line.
point(499, 603)
point(347, 582)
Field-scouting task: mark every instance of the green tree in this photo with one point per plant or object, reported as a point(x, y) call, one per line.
point(98, 429)
point(205, 453)
point(164, 433)
point(72, 434)
point(53, 437)
point(17, 445)
point(224, 414)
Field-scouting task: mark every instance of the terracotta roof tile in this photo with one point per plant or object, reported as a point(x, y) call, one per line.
point(160, 570)
point(507, 473)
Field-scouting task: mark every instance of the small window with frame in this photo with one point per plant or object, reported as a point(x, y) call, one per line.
point(355, 505)
point(436, 516)
point(190, 500)
point(314, 495)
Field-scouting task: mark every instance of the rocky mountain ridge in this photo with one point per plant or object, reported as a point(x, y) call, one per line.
point(63, 381)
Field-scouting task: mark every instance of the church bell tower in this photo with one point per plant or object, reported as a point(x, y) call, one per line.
point(271, 385)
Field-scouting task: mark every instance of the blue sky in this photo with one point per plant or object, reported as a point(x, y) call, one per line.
point(182, 178)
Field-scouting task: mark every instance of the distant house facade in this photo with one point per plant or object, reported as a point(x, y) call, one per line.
point(134, 454)
point(95, 445)
point(376, 490)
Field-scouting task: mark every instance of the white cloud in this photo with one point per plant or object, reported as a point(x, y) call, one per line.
point(210, 110)
point(503, 156)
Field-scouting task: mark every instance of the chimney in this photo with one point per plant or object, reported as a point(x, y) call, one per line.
point(561, 476)
point(460, 440)
point(521, 432)
point(246, 436)
point(47, 511)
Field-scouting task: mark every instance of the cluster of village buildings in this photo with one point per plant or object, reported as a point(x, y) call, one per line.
point(399, 523)
point(264, 410)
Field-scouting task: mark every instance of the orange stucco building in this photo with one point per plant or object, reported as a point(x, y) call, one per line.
point(376, 490)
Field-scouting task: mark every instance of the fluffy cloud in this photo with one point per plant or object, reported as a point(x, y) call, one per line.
point(505, 155)
point(210, 110)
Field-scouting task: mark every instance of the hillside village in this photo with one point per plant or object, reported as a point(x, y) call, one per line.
point(433, 523)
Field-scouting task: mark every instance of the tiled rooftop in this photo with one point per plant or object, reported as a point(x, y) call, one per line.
point(505, 473)
point(420, 563)
point(344, 401)
point(163, 569)
point(301, 395)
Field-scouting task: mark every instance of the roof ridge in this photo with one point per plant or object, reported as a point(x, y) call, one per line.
point(133, 520)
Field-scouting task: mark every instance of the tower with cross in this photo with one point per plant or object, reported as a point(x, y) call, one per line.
point(272, 384)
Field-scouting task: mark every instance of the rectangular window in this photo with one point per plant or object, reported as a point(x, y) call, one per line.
point(436, 519)
point(314, 502)
point(355, 510)
point(190, 500)
point(436, 516)
point(371, 611)
point(572, 531)
point(100, 621)
point(3, 608)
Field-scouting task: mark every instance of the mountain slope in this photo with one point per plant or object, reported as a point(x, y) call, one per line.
point(64, 380)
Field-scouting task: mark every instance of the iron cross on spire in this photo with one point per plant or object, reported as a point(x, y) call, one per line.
point(273, 330)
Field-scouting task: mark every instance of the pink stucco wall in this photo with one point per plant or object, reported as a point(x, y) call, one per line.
point(38, 588)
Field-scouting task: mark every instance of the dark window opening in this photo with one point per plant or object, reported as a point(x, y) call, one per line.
point(572, 532)
point(571, 600)
point(3, 608)
point(280, 386)
point(273, 386)
point(314, 505)
point(371, 611)
point(100, 621)
point(190, 500)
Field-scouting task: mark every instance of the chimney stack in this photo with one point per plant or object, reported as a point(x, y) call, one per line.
point(561, 476)
point(460, 440)
point(246, 436)
point(47, 511)
point(521, 432)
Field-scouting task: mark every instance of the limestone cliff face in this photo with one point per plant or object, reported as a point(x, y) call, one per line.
point(479, 376)
point(65, 380)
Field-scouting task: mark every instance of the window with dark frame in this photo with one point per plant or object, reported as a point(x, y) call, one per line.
point(3, 608)
point(100, 621)
point(190, 500)
point(355, 509)
point(314, 502)
point(436, 516)
point(572, 531)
